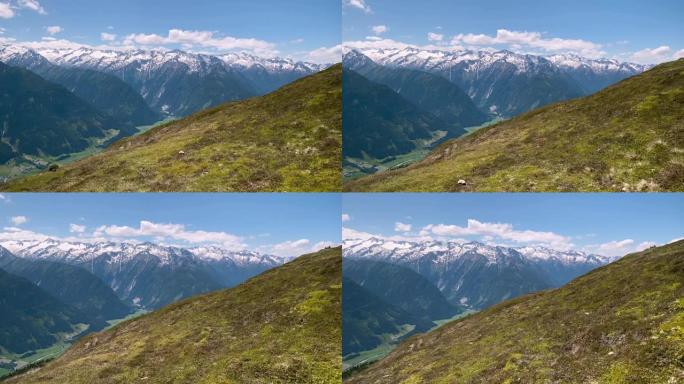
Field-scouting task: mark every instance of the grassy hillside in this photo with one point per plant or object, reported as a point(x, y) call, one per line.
point(289, 140)
point(622, 323)
point(628, 137)
point(283, 326)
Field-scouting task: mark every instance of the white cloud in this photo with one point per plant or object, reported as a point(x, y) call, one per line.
point(14, 233)
point(501, 231)
point(375, 42)
point(6, 12)
point(676, 240)
point(325, 55)
point(615, 247)
point(435, 36)
point(171, 231)
point(18, 220)
point(349, 233)
point(294, 248)
point(76, 228)
point(679, 54)
point(206, 39)
point(650, 56)
point(644, 245)
point(359, 4)
point(379, 29)
point(33, 5)
point(4, 198)
point(345, 217)
point(519, 39)
point(297, 41)
point(53, 29)
point(104, 36)
point(401, 227)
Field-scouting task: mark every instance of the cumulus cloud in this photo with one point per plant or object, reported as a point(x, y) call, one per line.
point(76, 228)
point(520, 39)
point(18, 220)
point(326, 55)
point(402, 227)
point(619, 247)
point(345, 217)
point(6, 12)
point(33, 5)
point(435, 36)
point(205, 39)
point(53, 29)
point(375, 42)
point(359, 4)
point(503, 231)
point(173, 232)
point(379, 29)
point(14, 233)
point(652, 55)
point(679, 54)
point(104, 36)
point(294, 248)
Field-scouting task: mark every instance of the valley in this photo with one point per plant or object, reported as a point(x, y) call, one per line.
point(102, 97)
point(219, 149)
point(568, 146)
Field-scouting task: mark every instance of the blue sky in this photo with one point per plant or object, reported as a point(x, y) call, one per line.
point(610, 224)
point(641, 31)
point(293, 28)
point(285, 224)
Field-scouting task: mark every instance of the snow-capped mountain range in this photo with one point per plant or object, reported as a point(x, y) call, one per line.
point(477, 61)
point(150, 275)
point(149, 60)
point(505, 83)
point(478, 275)
point(81, 252)
point(444, 252)
point(174, 83)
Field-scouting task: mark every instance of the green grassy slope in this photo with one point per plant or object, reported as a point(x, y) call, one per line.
point(628, 137)
point(289, 140)
point(283, 326)
point(622, 323)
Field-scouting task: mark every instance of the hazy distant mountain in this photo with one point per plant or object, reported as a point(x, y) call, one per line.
point(401, 287)
point(31, 318)
point(379, 122)
point(42, 118)
point(73, 286)
point(367, 318)
point(431, 93)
